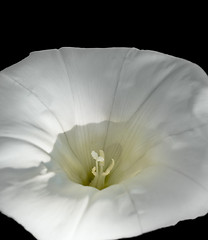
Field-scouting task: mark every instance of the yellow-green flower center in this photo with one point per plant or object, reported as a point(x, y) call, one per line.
point(86, 153)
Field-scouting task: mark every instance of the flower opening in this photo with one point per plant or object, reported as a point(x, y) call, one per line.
point(126, 153)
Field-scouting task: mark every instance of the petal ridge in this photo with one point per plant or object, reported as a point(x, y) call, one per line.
point(186, 176)
point(134, 206)
point(40, 100)
point(115, 91)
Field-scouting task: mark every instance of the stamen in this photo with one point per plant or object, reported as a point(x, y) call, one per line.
point(108, 170)
point(102, 154)
point(94, 171)
point(97, 171)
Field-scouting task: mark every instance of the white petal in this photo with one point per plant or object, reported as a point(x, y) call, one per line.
point(157, 96)
point(44, 76)
point(51, 207)
point(175, 109)
point(158, 90)
point(28, 129)
point(77, 85)
point(163, 196)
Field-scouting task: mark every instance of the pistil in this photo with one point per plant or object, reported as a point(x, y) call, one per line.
point(98, 172)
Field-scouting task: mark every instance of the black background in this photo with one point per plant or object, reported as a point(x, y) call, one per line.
point(179, 36)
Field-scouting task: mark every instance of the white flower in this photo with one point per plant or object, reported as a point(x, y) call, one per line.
point(102, 143)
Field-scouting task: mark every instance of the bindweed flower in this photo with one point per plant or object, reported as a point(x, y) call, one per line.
point(102, 143)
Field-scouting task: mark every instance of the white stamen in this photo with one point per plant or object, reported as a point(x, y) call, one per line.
point(94, 171)
point(108, 170)
point(102, 154)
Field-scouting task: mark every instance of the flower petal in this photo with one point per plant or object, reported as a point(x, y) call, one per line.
point(176, 181)
point(27, 127)
point(85, 79)
point(163, 196)
point(149, 118)
point(51, 207)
